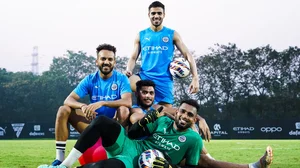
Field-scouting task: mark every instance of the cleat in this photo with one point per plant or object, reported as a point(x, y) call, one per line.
point(56, 162)
point(267, 159)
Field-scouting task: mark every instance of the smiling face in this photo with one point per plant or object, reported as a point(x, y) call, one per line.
point(185, 116)
point(145, 96)
point(106, 62)
point(156, 16)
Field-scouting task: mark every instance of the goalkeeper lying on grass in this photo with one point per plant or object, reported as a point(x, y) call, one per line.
point(173, 137)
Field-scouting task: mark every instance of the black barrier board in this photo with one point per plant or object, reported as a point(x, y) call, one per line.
point(220, 129)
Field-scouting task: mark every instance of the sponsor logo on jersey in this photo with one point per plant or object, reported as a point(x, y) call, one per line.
point(18, 127)
point(114, 86)
point(155, 49)
point(164, 143)
point(107, 97)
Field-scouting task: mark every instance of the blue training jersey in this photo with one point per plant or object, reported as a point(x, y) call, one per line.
point(144, 110)
point(100, 89)
point(157, 49)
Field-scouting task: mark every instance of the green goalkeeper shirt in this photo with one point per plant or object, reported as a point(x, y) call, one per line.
point(179, 145)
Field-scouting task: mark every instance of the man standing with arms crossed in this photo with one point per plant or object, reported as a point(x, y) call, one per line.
point(109, 92)
point(156, 46)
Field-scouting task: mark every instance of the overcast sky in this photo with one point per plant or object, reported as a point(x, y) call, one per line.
point(59, 25)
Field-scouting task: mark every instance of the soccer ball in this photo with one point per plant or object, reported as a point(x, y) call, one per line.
point(148, 156)
point(179, 68)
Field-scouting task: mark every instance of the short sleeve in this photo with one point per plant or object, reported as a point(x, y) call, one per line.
point(193, 154)
point(82, 88)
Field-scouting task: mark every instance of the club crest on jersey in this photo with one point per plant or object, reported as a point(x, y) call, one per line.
point(182, 138)
point(165, 39)
point(114, 87)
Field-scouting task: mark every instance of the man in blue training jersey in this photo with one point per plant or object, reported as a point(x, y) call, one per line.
point(156, 46)
point(110, 95)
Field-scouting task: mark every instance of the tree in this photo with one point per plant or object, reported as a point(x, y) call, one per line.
point(73, 66)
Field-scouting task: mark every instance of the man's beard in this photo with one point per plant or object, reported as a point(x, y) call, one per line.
point(105, 72)
point(159, 22)
point(144, 106)
point(180, 127)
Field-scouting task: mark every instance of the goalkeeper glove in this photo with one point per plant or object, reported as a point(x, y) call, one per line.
point(160, 162)
point(150, 117)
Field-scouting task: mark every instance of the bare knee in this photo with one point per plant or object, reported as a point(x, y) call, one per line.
point(135, 117)
point(123, 114)
point(63, 112)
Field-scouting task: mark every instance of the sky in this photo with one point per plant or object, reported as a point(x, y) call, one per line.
point(55, 26)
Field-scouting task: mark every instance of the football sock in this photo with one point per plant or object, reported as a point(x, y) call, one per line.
point(60, 150)
point(72, 158)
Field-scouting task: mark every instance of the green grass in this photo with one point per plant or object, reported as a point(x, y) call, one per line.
point(286, 152)
point(31, 153)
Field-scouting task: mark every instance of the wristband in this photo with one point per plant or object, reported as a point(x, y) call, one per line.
point(82, 106)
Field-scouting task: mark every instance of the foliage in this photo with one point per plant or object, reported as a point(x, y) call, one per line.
point(259, 83)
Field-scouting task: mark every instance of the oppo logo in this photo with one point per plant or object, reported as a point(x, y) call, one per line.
point(270, 129)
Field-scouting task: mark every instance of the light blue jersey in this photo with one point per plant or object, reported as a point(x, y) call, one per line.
point(157, 49)
point(144, 110)
point(100, 89)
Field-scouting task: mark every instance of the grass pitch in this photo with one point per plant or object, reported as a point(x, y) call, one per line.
point(31, 153)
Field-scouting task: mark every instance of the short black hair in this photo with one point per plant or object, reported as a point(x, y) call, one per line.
point(156, 4)
point(106, 47)
point(191, 102)
point(142, 83)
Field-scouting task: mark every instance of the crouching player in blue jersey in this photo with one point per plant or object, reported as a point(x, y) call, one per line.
point(109, 92)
